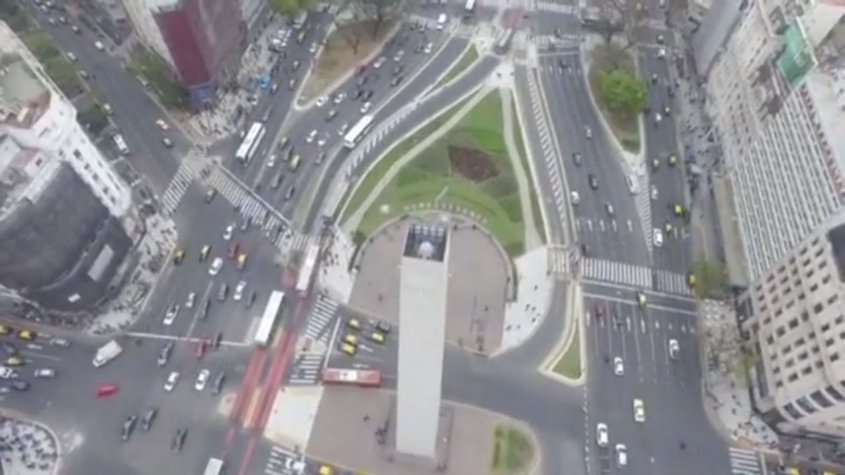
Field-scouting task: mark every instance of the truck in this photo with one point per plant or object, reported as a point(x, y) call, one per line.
point(106, 353)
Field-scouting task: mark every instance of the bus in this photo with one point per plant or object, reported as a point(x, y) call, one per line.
point(357, 132)
point(251, 143)
point(306, 270)
point(121, 144)
point(268, 319)
point(294, 164)
point(365, 378)
point(504, 42)
point(214, 467)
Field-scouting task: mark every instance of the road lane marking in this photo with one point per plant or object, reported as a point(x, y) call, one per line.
point(157, 336)
point(33, 354)
point(252, 408)
point(198, 304)
point(651, 306)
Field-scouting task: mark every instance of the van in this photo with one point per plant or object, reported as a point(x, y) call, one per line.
point(441, 21)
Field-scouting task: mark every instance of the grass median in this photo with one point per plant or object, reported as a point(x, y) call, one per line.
point(513, 452)
point(625, 126)
point(470, 56)
point(569, 364)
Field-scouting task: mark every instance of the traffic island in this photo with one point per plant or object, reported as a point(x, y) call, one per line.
point(568, 364)
point(618, 91)
point(513, 451)
point(346, 47)
point(466, 60)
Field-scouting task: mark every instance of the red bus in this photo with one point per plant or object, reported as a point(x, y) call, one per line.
point(366, 378)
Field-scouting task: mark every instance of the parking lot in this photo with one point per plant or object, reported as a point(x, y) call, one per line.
point(362, 342)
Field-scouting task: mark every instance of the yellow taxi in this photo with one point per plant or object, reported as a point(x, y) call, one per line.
point(204, 253)
point(673, 160)
point(5, 329)
point(668, 227)
point(325, 470)
point(351, 339)
point(242, 260)
point(642, 300)
point(14, 361)
point(353, 323)
point(377, 337)
point(27, 335)
point(679, 210)
point(691, 280)
point(179, 256)
point(348, 349)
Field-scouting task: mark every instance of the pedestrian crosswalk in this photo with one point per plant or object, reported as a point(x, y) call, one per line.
point(554, 43)
point(557, 7)
point(174, 192)
point(643, 202)
point(305, 370)
point(562, 259)
point(744, 462)
point(591, 268)
point(283, 462)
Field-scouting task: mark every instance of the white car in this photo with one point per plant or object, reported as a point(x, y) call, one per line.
point(239, 290)
point(99, 46)
point(661, 53)
point(227, 234)
point(321, 141)
point(658, 237)
point(576, 198)
point(674, 349)
point(45, 373)
point(428, 48)
point(342, 130)
point(602, 437)
point(639, 410)
point(202, 379)
point(658, 118)
point(71, 57)
point(379, 62)
point(271, 162)
point(366, 107)
point(339, 97)
point(162, 124)
point(621, 455)
point(588, 132)
point(171, 314)
point(321, 101)
point(618, 366)
point(191, 300)
point(311, 136)
point(216, 265)
point(314, 47)
point(653, 193)
point(399, 55)
point(172, 381)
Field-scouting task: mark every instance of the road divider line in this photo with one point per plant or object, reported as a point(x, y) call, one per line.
point(252, 406)
point(253, 372)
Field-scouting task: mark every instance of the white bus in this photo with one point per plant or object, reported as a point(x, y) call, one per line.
point(504, 42)
point(469, 7)
point(251, 143)
point(306, 270)
point(214, 467)
point(357, 132)
point(121, 144)
point(268, 319)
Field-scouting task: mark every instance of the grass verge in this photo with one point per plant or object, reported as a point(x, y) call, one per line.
point(467, 171)
point(512, 451)
point(149, 66)
point(57, 66)
point(357, 195)
point(469, 57)
point(626, 127)
point(569, 364)
point(345, 48)
point(536, 211)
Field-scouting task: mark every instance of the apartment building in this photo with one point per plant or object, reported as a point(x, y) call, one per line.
point(63, 209)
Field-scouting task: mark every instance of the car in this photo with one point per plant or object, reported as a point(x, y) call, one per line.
point(367, 95)
point(216, 265)
point(331, 115)
point(294, 66)
point(271, 161)
point(658, 237)
point(339, 97)
point(228, 232)
point(5, 329)
point(354, 323)
point(217, 386)
point(654, 192)
point(106, 390)
point(204, 253)
point(383, 327)
point(233, 250)
point(661, 53)
point(218, 339)
point(673, 160)
point(45, 373)
point(313, 48)
point(667, 111)
point(654, 78)
point(321, 101)
point(348, 349)
point(618, 366)
point(171, 314)
point(191, 300)
point(75, 29)
point(576, 157)
point(239, 291)
point(206, 306)
point(99, 46)
point(179, 256)
point(594, 183)
point(377, 64)
point(172, 381)
point(588, 132)
point(428, 48)
point(71, 57)
point(292, 84)
point(311, 136)
point(351, 339)
point(396, 81)
point(660, 39)
point(377, 337)
point(621, 455)
point(642, 301)
point(14, 361)
point(223, 292)
point(128, 427)
point(399, 55)
point(199, 348)
point(290, 193)
point(178, 440)
point(342, 130)
point(658, 118)
point(246, 223)
point(668, 227)
point(162, 124)
point(602, 436)
point(148, 419)
point(674, 349)
point(251, 300)
point(366, 107)
point(609, 208)
point(27, 335)
point(202, 379)
point(398, 70)
point(277, 180)
point(320, 158)
point(691, 279)
point(210, 194)
point(575, 197)
point(655, 164)
point(242, 260)
point(639, 410)
point(164, 354)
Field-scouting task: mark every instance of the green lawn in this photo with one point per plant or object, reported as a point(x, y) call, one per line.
point(569, 365)
point(469, 57)
point(56, 65)
point(512, 451)
point(151, 67)
point(626, 127)
point(429, 178)
point(536, 211)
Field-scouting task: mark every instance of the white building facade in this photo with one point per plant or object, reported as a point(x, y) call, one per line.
point(36, 115)
point(141, 14)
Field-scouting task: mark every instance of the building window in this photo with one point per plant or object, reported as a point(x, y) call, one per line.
point(804, 404)
point(836, 394)
point(77, 155)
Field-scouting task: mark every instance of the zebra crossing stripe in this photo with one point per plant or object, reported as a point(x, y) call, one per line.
point(744, 462)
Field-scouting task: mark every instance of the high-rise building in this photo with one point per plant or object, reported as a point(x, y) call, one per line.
point(423, 282)
point(62, 206)
point(141, 14)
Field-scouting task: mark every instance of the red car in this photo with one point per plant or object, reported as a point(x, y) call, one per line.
point(107, 390)
point(199, 350)
point(233, 250)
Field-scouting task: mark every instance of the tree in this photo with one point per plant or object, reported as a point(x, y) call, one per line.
point(376, 11)
point(711, 279)
point(289, 7)
point(622, 16)
point(622, 92)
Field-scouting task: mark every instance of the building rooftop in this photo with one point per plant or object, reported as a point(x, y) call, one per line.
point(426, 242)
point(23, 97)
point(24, 174)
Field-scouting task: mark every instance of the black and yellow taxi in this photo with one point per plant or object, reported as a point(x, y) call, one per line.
point(205, 252)
point(354, 323)
point(350, 339)
point(673, 160)
point(348, 349)
point(642, 301)
point(5, 329)
point(14, 361)
point(377, 337)
point(27, 335)
point(691, 280)
point(179, 256)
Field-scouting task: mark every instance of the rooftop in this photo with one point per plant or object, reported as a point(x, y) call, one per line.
point(426, 242)
point(23, 97)
point(24, 174)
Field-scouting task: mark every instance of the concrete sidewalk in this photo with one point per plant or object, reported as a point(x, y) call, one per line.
point(534, 294)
